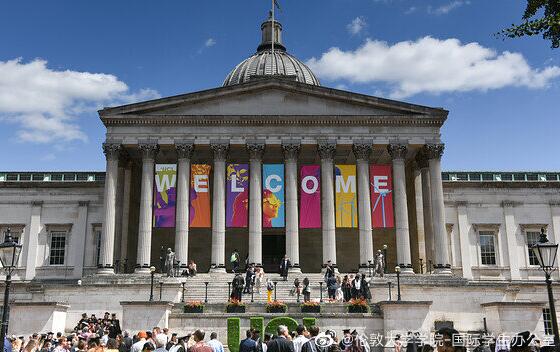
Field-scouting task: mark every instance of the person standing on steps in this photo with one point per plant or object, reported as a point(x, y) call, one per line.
point(269, 289)
point(306, 290)
point(284, 266)
point(234, 260)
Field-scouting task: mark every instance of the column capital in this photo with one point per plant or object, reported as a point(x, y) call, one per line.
point(148, 150)
point(291, 150)
point(421, 159)
point(434, 151)
point(255, 149)
point(184, 149)
point(112, 150)
point(397, 151)
point(362, 150)
point(326, 149)
point(220, 149)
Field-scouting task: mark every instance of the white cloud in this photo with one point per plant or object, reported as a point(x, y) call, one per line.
point(356, 26)
point(446, 8)
point(410, 10)
point(430, 65)
point(45, 103)
point(210, 42)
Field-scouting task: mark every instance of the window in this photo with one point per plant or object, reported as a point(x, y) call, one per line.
point(532, 238)
point(97, 245)
point(487, 248)
point(57, 252)
point(547, 319)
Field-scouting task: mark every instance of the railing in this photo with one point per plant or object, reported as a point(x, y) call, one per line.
point(52, 176)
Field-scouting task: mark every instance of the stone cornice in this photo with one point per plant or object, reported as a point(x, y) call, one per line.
point(272, 120)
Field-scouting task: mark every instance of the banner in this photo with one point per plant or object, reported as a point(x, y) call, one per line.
point(310, 197)
point(165, 195)
point(273, 195)
point(345, 192)
point(237, 195)
point(199, 205)
point(381, 186)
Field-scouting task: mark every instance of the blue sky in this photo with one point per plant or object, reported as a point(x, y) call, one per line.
point(60, 60)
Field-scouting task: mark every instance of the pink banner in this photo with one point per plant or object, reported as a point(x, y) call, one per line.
point(310, 197)
point(381, 186)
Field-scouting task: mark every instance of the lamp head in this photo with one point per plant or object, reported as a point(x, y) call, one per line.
point(384, 246)
point(545, 252)
point(397, 269)
point(9, 252)
point(152, 269)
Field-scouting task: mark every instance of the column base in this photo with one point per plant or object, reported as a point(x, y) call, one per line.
point(142, 270)
point(440, 269)
point(363, 269)
point(106, 271)
point(406, 269)
point(218, 269)
point(294, 270)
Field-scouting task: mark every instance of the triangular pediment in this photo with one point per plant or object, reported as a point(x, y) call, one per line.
point(272, 97)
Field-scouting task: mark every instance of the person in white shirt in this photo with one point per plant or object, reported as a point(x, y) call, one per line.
point(215, 343)
point(300, 338)
point(161, 341)
point(137, 347)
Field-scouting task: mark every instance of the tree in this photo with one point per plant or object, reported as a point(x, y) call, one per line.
point(540, 17)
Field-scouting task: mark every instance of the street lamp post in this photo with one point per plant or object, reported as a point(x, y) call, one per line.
point(398, 272)
point(160, 289)
point(152, 273)
point(206, 291)
point(546, 254)
point(385, 258)
point(369, 267)
point(183, 283)
point(9, 255)
point(389, 283)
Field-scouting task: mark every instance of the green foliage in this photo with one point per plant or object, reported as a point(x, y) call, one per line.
point(540, 17)
point(233, 334)
point(308, 322)
point(272, 326)
point(258, 324)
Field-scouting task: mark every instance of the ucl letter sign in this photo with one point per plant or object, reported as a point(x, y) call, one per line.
point(381, 187)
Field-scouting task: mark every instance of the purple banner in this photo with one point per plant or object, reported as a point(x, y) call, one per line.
point(237, 195)
point(310, 197)
point(165, 195)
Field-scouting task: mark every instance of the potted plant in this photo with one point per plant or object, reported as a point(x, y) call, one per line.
point(193, 307)
point(311, 307)
point(235, 306)
point(358, 306)
point(276, 307)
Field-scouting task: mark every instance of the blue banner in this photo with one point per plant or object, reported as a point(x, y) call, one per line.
point(273, 195)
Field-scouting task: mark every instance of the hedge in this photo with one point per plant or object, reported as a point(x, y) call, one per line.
point(234, 330)
point(258, 324)
point(308, 322)
point(272, 326)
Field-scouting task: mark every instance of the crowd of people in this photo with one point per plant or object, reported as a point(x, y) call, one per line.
point(338, 288)
point(98, 335)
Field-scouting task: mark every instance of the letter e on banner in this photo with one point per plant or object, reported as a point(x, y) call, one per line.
point(381, 188)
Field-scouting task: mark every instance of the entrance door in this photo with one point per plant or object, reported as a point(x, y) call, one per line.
point(274, 248)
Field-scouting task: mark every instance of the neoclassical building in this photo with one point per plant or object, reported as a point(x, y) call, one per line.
point(470, 229)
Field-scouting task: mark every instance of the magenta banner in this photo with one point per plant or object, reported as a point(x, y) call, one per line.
point(237, 195)
point(310, 197)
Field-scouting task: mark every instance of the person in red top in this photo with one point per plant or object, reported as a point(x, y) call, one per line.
point(199, 345)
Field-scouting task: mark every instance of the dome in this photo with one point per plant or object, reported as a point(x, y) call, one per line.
point(271, 61)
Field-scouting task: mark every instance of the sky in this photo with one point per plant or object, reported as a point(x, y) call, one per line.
point(62, 60)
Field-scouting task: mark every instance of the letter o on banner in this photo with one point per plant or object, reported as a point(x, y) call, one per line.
point(305, 184)
point(310, 197)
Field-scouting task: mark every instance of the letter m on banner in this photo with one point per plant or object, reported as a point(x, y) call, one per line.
point(381, 188)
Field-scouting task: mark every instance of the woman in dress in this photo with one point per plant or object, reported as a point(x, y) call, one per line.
point(259, 279)
point(339, 295)
point(346, 288)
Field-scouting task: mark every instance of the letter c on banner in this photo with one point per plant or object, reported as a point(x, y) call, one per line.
point(268, 183)
point(304, 182)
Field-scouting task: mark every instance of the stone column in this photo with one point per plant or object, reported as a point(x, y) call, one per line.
point(511, 240)
point(32, 240)
point(398, 154)
point(291, 152)
point(464, 240)
point(125, 212)
point(554, 235)
point(184, 154)
point(256, 151)
point(362, 152)
point(143, 257)
point(327, 150)
point(220, 151)
point(78, 245)
point(419, 205)
point(442, 264)
point(112, 152)
point(422, 162)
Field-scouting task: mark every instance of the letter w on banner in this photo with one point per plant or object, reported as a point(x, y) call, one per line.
point(165, 189)
point(381, 186)
point(199, 215)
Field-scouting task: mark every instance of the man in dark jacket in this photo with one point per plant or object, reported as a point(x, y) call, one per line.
point(237, 287)
point(282, 342)
point(248, 344)
point(284, 266)
point(311, 346)
point(331, 287)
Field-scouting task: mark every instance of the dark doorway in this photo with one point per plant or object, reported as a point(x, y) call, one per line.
point(274, 249)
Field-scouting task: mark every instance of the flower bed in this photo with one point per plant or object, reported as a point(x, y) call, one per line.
point(358, 306)
point(193, 307)
point(235, 306)
point(276, 307)
point(311, 307)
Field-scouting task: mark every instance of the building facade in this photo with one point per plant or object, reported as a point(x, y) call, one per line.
point(474, 227)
